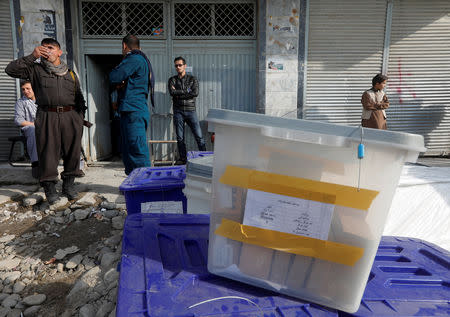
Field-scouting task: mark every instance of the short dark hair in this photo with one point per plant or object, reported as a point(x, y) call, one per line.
point(51, 41)
point(25, 81)
point(131, 41)
point(179, 58)
point(379, 78)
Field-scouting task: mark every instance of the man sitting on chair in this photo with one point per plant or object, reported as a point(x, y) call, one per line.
point(25, 114)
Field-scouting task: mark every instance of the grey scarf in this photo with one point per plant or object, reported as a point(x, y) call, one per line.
point(59, 70)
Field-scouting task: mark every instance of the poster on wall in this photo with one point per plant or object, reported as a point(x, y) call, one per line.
point(275, 65)
point(49, 23)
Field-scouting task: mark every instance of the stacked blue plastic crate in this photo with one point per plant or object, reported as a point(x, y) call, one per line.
point(163, 273)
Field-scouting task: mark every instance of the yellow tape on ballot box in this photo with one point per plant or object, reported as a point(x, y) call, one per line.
point(299, 187)
point(290, 243)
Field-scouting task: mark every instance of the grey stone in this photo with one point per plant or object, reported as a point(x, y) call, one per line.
point(111, 276)
point(89, 199)
point(33, 300)
point(87, 311)
point(7, 289)
point(14, 313)
point(74, 261)
point(113, 241)
point(7, 238)
point(117, 222)
point(113, 313)
point(59, 204)
point(11, 301)
point(78, 294)
point(7, 265)
point(18, 287)
point(60, 267)
point(61, 253)
point(3, 296)
point(111, 213)
point(108, 205)
point(34, 199)
point(108, 260)
point(4, 311)
point(104, 309)
point(10, 277)
point(81, 214)
point(20, 305)
point(59, 220)
point(31, 311)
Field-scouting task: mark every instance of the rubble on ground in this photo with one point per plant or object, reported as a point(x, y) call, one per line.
point(45, 268)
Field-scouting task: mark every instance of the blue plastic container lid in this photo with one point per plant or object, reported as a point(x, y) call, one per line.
point(155, 178)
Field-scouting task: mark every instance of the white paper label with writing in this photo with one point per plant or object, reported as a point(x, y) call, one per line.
point(162, 207)
point(288, 214)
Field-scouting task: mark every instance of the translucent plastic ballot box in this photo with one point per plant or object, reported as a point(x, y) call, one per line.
point(298, 206)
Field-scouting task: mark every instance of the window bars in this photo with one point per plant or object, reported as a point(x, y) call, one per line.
point(214, 20)
point(235, 20)
point(117, 19)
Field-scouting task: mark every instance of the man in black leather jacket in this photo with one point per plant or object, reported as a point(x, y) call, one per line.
point(184, 89)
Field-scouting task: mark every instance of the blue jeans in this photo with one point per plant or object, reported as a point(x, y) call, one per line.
point(190, 117)
point(133, 127)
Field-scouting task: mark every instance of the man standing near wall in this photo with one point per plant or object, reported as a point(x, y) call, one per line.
point(374, 102)
point(135, 74)
point(184, 89)
point(59, 117)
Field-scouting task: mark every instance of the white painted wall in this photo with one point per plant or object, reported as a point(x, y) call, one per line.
point(33, 23)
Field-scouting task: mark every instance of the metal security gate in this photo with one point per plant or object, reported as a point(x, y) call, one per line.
point(217, 38)
point(419, 71)
point(345, 50)
point(8, 92)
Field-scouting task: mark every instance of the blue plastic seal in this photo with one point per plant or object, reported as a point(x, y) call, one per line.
point(360, 151)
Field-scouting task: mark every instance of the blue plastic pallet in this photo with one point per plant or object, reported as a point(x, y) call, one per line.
point(194, 154)
point(152, 184)
point(163, 273)
point(409, 277)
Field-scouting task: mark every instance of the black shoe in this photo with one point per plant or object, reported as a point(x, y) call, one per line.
point(68, 187)
point(35, 169)
point(180, 162)
point(50, 192)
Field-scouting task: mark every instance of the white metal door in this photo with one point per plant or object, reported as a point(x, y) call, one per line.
point(345, 50)
point(419, 71)
point(99, 109)
point(8, 94)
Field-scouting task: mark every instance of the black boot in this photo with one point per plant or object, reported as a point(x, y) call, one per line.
point(50, 191)
point(35, 169)
point(68, 187)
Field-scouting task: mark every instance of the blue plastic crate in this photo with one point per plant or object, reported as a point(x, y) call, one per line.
point(195, 154)
point(168, 253)
point(409, 277)
point(150, 187)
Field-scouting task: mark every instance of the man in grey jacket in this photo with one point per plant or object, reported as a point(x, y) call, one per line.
point(24, 116)
point(59, 117)
point(184, 89)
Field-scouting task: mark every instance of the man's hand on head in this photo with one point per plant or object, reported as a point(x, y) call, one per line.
point(40, 51)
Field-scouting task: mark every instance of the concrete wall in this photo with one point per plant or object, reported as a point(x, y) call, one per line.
point(40, 19)
point(281, 57)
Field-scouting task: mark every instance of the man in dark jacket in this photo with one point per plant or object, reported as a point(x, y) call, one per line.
point(184, 89)
point(59, 117)
point(135, 77)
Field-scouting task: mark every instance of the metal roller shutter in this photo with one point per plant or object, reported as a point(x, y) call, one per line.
point(7, 84)
point(419, 71)
point(345, 50)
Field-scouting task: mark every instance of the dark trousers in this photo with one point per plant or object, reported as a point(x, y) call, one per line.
point(58, 133)
point(190, 117)
point(135, 153)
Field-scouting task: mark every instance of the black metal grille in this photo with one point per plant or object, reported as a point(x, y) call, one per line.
point(116, 19)
point(214, 20)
